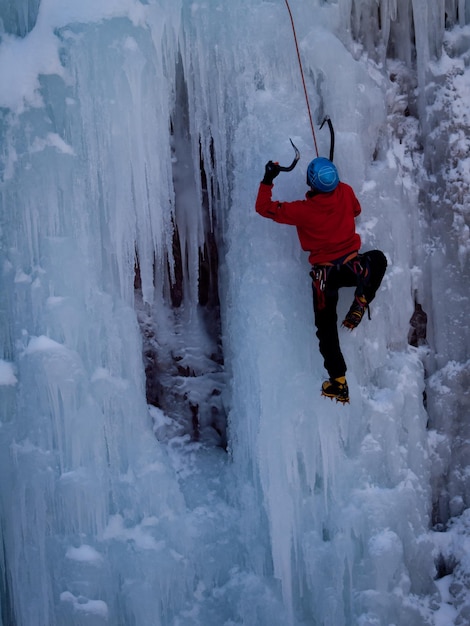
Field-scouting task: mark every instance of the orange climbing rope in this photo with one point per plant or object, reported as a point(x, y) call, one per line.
point(302, 75)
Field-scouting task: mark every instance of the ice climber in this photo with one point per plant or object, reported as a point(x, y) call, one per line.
point(326, 228)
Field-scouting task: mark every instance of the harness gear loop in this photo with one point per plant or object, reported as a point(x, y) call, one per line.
point(319, 276)
point(302, 76)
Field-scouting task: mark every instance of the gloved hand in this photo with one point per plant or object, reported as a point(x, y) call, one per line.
point(270, 172)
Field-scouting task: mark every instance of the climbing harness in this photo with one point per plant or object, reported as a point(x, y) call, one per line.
point(359, 264)
point(302, 76)
point(320, 272)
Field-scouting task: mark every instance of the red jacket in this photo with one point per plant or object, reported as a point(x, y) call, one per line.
point(325, 221)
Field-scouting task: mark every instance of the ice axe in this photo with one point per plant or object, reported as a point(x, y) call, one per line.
point(332, 135)
point(289, 168)
point(272, 168)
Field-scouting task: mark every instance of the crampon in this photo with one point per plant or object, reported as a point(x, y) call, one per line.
point(336, 388)
point(356, 313)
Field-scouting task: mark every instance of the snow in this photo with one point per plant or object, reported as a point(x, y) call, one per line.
point(94, 607)
point(141, 539)
point(53, 140)
point(165, 454)
point(7, 373)
point(43, 344)
point(84, 553)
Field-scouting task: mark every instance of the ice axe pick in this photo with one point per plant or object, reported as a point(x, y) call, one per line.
point(289, 168)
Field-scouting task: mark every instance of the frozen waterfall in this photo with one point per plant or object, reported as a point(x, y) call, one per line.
point(166, 458)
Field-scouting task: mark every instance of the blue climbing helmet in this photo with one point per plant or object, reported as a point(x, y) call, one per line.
point(322, 175)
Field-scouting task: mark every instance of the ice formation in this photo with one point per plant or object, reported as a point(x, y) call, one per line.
point(165, 456)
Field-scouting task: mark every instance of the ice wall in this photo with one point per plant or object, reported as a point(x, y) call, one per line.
point(329, 477)
point(320, 513)
point(440, 164)
point(82, 187)
point(371, 105)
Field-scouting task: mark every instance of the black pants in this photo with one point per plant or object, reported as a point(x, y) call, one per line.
point(365, 273)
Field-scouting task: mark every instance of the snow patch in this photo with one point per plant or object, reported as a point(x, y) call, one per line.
point(7, 373)
point(84, 554)
point(52, 140)
point(117, 529)
point(43, 344)
point(82, 604)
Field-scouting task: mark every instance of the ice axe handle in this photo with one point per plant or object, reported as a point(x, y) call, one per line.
point(332, 135)
point(289, 168)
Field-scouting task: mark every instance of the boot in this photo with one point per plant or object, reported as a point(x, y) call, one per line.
point(356, 313)
point(336, 388)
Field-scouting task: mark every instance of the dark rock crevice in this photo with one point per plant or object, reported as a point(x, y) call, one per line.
point(181, 330)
